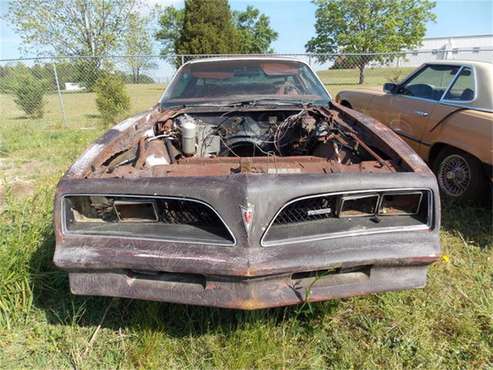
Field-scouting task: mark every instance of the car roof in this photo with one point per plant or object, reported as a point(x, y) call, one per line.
point(460, 62)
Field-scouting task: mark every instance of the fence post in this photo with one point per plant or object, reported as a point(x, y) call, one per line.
point(182, 59)
point(60, 98)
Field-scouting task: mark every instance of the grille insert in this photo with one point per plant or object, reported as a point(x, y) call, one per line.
point(305, 210)
point(177, 211)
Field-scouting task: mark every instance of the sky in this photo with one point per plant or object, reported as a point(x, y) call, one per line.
point(294, 21)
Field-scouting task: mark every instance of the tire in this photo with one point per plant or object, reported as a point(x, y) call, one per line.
point(459, 175)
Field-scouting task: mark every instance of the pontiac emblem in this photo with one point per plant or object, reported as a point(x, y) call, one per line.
point(247, 216)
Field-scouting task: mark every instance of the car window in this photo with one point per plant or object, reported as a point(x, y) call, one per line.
point(430, 83)
point(463, 87)
point(218, 81)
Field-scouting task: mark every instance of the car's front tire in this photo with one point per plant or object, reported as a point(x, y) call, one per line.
point(460, 175)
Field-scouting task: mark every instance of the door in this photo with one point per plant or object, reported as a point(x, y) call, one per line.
point(413, 107)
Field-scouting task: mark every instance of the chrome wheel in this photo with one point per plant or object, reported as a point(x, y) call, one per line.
point(454, 175)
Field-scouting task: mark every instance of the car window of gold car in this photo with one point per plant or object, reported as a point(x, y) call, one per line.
point(463, 88)
point(430, 82)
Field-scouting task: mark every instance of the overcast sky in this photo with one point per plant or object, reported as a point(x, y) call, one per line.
point(294, 19)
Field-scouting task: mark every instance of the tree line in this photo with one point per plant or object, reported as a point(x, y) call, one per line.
point(100, 28)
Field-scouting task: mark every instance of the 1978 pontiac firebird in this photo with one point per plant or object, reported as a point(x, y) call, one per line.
point(246, 187)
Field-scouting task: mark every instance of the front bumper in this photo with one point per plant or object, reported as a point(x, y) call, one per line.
point(247, 293)
point(247, 275)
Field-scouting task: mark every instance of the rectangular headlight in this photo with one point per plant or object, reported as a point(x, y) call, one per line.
point(357, 205)
point(136, 211)
point(396, 204)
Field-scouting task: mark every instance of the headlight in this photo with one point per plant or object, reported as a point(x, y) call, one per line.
point(400, 204)
point(357, 205)
point(136, 211)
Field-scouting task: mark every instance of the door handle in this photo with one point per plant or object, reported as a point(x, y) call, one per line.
point(421, 113)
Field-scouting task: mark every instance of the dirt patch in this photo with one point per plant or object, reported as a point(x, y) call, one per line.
point(19, 189)
point(22, 189)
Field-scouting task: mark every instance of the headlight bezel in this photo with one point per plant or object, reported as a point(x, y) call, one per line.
point(377, 225)
point(182, 236)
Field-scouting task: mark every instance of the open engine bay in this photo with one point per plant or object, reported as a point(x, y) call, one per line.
point(279, 141)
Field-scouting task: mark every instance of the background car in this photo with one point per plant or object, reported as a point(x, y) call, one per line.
point(444, 111)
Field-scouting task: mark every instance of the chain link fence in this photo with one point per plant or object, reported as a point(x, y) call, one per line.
point(60, 91)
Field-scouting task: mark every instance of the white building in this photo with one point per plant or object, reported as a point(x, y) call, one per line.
point(73, 86)
point(474, 47)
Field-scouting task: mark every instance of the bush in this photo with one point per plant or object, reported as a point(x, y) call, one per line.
point(29, 95)
point(112, 99)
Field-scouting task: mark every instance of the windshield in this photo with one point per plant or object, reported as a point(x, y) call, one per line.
point(224, 82)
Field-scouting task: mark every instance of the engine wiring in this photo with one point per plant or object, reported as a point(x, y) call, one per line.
point(295, 134)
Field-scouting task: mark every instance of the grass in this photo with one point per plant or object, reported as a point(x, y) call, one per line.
point(449, 324)
point(343, 79)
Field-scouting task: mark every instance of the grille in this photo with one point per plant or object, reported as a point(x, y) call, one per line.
point(304, 210)
point(175, 211)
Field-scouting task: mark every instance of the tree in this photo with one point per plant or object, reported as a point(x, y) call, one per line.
point(246, 31)
point(171, 23)
point(137, 46)
point(207, 28)
point(368, 26)
point(112, 99)
point(254, 31)
point(71, 27)
point(29, 95)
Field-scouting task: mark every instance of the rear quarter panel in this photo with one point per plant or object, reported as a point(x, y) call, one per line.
point(468, 130)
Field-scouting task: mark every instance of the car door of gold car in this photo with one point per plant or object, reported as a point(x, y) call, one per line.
point(413, 107)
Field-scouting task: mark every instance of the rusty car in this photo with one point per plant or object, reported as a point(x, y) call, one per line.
point(246, 187)
point(444, 111)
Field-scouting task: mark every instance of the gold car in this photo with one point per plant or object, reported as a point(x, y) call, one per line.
point(444, 111)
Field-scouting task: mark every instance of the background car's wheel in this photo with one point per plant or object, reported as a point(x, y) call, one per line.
point(459, 175)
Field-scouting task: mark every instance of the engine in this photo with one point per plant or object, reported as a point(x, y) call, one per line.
point(309, 140)
point(258, 134)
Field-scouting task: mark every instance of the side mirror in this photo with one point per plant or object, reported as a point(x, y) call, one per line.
point(389, 87)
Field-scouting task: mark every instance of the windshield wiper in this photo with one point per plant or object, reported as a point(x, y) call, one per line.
point(260, 101)
point(249, 103)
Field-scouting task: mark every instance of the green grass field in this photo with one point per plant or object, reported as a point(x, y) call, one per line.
point(449, 324)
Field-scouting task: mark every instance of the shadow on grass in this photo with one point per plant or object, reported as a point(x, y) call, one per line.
point(51, 294)
point(23, 118)
point(473, 222)
point(328, 85)
point(92, 116)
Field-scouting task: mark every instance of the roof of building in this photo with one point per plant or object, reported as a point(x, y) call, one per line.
point(458, 37)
